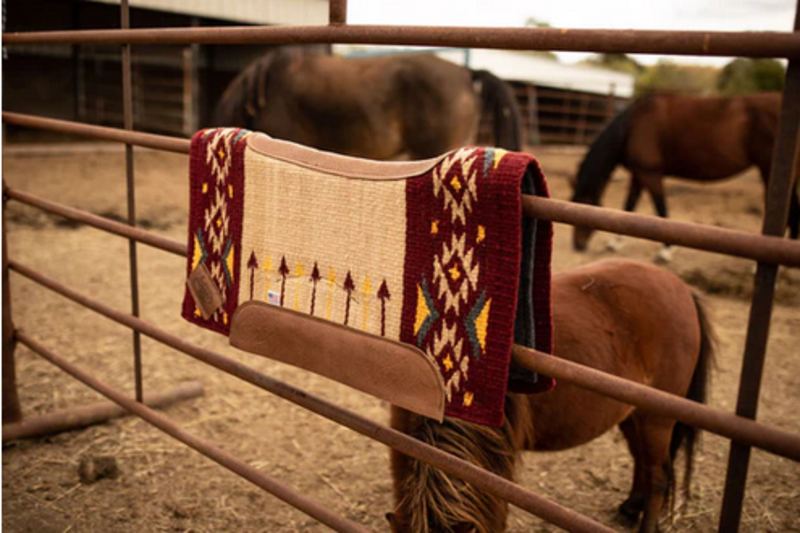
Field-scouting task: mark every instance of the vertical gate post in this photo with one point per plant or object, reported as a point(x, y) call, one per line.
point(11, 408)
point(781, 186)
point(337, 12)
point(191, 85)
point(532, 130)
point(127, 106)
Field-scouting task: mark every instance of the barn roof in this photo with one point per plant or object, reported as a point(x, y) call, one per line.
point(528, 68)
point(298, 12)
point(518, 66)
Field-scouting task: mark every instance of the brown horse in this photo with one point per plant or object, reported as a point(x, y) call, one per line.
point(696, 138)
point(629, 319)
point(405, 106)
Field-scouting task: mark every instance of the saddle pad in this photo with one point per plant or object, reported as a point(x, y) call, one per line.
point(435, 254)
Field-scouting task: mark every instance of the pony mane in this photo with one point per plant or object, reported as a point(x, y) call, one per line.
point(433, 501)
point(603, 156)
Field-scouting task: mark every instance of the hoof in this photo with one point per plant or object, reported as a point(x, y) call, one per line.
point(628, 513)
point(614, 244)
point(664, 256)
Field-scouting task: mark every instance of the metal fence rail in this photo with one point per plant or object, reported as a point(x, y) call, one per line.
point(725, 424)
point(219, 455)
point(768, 249)
point(706, 43)
point(491, 483)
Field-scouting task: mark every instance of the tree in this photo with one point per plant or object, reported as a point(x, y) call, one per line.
point(670, 77)
point(618, 62)
point(533, 22)
point(742, 76)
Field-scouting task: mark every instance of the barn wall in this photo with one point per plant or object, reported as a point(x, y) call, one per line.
point(175, 87)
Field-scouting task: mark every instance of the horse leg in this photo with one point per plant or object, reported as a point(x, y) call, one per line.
point(656, 435)
point(614, 244)
point(632, 507)
point(655, 185)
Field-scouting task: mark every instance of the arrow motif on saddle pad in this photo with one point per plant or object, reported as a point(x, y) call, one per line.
point(252, 265)
point(315, 277)
point(383, 295)
point(477, 323)
point(283, 271)
point(491, 158)
point(426, 311)
point(349, 286)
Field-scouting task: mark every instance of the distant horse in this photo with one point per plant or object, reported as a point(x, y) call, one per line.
point(697, 138)
point(404, 106)
point(632, 320)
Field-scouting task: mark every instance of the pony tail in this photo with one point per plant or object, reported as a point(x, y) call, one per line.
point(432, 501)
point(498, 98)
point(683, 435)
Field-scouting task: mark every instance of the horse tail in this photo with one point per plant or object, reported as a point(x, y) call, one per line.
point(431, 500)
point(498, 98)
point(607, 150)
point(683, 435)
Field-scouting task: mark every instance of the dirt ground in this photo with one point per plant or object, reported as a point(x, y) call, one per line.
point(165, 486)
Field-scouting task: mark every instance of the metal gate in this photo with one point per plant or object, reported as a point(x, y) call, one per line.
point(768, 249)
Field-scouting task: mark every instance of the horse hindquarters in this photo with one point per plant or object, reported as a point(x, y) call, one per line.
point(654, 441)
point(654, 478)
point(632, 320)
point(641, 323)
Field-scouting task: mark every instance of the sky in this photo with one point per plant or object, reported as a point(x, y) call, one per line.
point(712, 15)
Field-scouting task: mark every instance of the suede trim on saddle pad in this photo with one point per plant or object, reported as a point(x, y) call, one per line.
point(317, 345)
point(435, 254)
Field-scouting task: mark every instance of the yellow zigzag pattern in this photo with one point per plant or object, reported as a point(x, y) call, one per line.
point(456, 265)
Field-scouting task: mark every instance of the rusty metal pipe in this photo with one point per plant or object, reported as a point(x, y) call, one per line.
point(779, 191)
point(613, 387)
point(531, 502)
point(766, 249)
point(102, 223)
point(130, 192)
point(147, 140)
point(661, 403)
point(708, 43)
point(11, 409)
point(253, 475)
point(97, 413)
